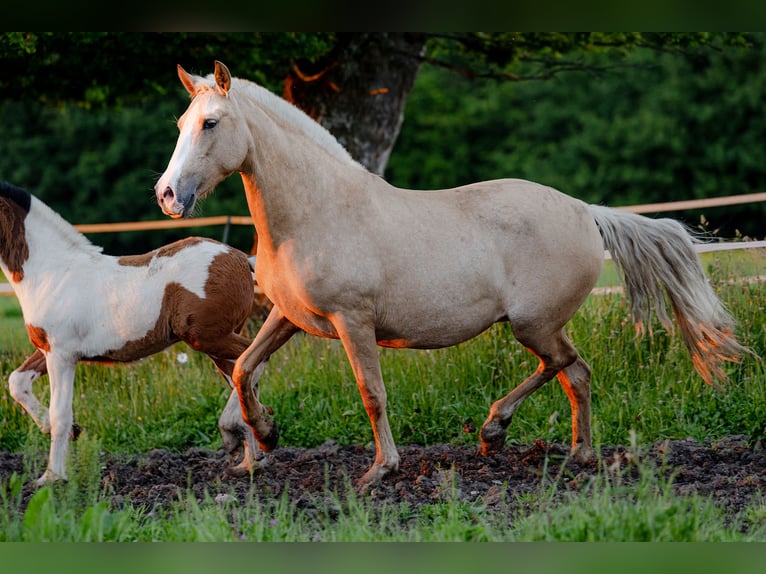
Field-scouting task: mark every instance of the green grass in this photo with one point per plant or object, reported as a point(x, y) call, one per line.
point(641, 387)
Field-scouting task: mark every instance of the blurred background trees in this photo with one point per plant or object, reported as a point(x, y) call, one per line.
point(89, 118)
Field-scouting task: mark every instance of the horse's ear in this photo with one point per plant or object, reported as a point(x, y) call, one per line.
point(186, 80)
point(222, 78)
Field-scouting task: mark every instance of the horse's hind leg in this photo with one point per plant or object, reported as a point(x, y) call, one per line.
point(575, 380)
point(20, 387)
point(555, 353)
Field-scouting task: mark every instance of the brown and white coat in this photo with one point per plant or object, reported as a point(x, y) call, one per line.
point(82, 305)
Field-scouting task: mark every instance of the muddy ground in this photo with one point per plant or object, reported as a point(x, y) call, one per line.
point(731, 472)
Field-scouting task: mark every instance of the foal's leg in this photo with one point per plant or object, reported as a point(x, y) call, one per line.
point(20, 386)
point(61, 376)
point(575, 380)
point(362, 351)
point(274, 333)
point(555, 353)
point(224, 349)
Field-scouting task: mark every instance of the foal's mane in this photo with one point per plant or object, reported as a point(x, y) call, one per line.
point(291, 114)
point(15, 194)
point(64, 231)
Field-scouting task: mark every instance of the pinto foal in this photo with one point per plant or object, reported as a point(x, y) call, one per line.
point(81, 305)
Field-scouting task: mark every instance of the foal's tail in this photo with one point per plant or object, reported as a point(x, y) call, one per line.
point(656, 254)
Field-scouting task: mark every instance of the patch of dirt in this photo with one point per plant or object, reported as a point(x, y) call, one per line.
point(731, 472)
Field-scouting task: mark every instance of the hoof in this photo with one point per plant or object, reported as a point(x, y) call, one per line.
point(249, 466)
point(269, 442)
point(372, 477)
point(492, 438)
point(74, 434)
point(238, 471)
point(253, 460)
point(49, 477)
point(583, 454)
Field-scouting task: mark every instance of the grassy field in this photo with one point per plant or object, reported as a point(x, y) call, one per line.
point(643, 388)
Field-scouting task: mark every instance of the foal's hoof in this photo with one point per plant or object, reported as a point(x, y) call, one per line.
point(249, 466)
point(253, 460)
point(74, 434)
point(492, 438)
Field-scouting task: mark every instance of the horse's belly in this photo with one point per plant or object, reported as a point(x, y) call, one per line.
point(436, 339)
point(433, 326)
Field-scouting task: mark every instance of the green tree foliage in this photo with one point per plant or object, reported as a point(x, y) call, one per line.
point(100, 168)
point(108, 68)
point(97, 69)
point(660, 128)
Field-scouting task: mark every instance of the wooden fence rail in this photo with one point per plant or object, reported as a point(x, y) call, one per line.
point(164, 224)
point(695, 203)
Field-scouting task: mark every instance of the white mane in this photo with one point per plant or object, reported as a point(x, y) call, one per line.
point(293, 115)
point(60, 228)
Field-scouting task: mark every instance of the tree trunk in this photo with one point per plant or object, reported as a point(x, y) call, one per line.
point(358, 91)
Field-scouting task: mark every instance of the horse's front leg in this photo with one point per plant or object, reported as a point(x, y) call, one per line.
point(235, 433)
point(358, 338)
point(20, 387)
point(61, 376)
point(274, 333)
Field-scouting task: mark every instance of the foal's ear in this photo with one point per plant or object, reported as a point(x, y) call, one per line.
point(186, 80)
point(222, 78)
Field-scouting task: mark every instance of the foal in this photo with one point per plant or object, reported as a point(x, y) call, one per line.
point(81, 305)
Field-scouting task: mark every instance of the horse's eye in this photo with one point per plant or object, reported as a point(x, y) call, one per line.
point(209, 124)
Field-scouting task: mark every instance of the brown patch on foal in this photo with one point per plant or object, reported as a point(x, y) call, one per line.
point(38, 337)
point(165, 251)
point(13, 243)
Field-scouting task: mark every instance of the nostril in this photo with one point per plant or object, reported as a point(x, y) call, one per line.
point(167, 194)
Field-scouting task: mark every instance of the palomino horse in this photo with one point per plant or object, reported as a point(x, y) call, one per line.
point(343, 254)
point(81, 305)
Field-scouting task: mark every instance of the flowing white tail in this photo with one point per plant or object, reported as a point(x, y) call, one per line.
point(656, 257)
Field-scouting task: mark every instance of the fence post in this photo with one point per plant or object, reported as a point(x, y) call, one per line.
point(226, 227)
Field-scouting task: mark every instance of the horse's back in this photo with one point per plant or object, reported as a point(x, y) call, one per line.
point(527, 229)
point(467, 257)
point(225, 274)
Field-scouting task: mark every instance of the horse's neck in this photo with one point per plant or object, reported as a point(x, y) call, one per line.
point(270, 232)
point(298, 173)
point(287, 115)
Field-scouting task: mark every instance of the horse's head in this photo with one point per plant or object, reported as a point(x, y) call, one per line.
point(212, 143)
